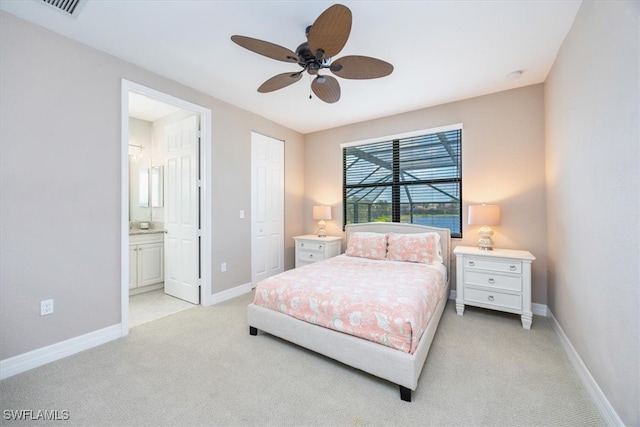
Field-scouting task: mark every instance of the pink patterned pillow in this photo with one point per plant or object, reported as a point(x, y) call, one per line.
point(367, 245)
point(422, 248)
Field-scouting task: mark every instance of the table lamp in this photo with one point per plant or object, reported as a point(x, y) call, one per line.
point(484, 216)
point(321, 213)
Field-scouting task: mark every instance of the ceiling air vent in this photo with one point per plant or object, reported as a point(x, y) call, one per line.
point(68, 7)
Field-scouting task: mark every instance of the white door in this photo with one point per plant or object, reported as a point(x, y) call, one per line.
point(267, 207)
point(181, 243)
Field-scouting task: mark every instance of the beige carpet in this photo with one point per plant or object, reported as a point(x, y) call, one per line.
point(201, 367)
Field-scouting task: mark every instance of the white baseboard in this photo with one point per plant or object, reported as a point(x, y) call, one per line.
point(609, 414)
point(23, 362)
point(539, 309)
point(33, 359)
point(597, 396)
point(229, 294)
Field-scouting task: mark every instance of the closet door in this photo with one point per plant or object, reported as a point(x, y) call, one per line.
point(267, 207)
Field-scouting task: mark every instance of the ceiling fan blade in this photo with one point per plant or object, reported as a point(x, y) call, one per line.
point(330, 31)
point(279, 81)
point(326, 88)
point(267, 49)
point(360, 67)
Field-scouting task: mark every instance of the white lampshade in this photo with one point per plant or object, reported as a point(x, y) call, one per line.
point(321, 212)
point(484, 215)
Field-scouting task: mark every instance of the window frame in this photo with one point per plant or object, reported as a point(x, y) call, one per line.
point(396, 182)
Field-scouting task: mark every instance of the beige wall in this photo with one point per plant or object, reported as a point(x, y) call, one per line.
point(502, 162)
point(593, 163)
point(60, 185)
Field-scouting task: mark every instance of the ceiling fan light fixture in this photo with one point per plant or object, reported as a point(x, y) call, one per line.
point(325, 39)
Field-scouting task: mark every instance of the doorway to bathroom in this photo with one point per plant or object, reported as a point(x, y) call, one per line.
point(166, 204)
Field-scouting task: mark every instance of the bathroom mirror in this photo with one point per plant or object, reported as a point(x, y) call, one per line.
point(156, 189)
point(150, 187)
point(143, 188)
point(146, 171)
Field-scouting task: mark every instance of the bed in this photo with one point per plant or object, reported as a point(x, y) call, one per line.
point(397, 358)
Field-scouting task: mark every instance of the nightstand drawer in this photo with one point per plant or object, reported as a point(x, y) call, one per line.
point(498, 299)
point(307, 255)
point(507, 266)
point(310, 246)
point(487, 279)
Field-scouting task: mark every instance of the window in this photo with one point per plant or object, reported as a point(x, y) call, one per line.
point(414, 179)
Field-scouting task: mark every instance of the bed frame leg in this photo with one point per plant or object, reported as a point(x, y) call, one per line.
point(405, 394)
point(253, 331)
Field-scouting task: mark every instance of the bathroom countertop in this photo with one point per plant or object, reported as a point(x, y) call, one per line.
point(135, 231)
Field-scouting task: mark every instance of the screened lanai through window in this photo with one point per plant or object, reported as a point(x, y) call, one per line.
point(415, 179)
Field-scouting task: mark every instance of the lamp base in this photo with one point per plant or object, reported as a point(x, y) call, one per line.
point(485, 243)
point(321, 228)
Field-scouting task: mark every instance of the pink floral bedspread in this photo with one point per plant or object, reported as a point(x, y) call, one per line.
point(387, 302)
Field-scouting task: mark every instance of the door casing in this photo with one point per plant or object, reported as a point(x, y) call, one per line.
point(206, 193)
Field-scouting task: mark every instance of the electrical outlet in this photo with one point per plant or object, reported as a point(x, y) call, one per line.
point(46, 307)
point(241, 214)
point(223, 267)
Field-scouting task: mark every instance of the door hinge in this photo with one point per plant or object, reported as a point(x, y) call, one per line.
point(199, 183)
point(199, 233)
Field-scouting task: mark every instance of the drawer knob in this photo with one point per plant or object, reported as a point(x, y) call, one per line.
point(319, 246)
point(471, 263)
point(310, 255)
point(490, 297)
point(512, 267)
point(302, 245)
point(491, 280)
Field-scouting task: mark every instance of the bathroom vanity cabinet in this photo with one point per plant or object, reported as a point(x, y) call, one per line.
point(146, 261)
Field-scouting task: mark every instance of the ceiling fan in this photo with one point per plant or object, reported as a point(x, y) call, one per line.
point(325, 39)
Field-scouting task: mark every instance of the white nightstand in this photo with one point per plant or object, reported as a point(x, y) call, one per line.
point(311, 248)
point(499, 280)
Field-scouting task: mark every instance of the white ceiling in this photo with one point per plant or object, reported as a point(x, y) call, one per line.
point(442, 51)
